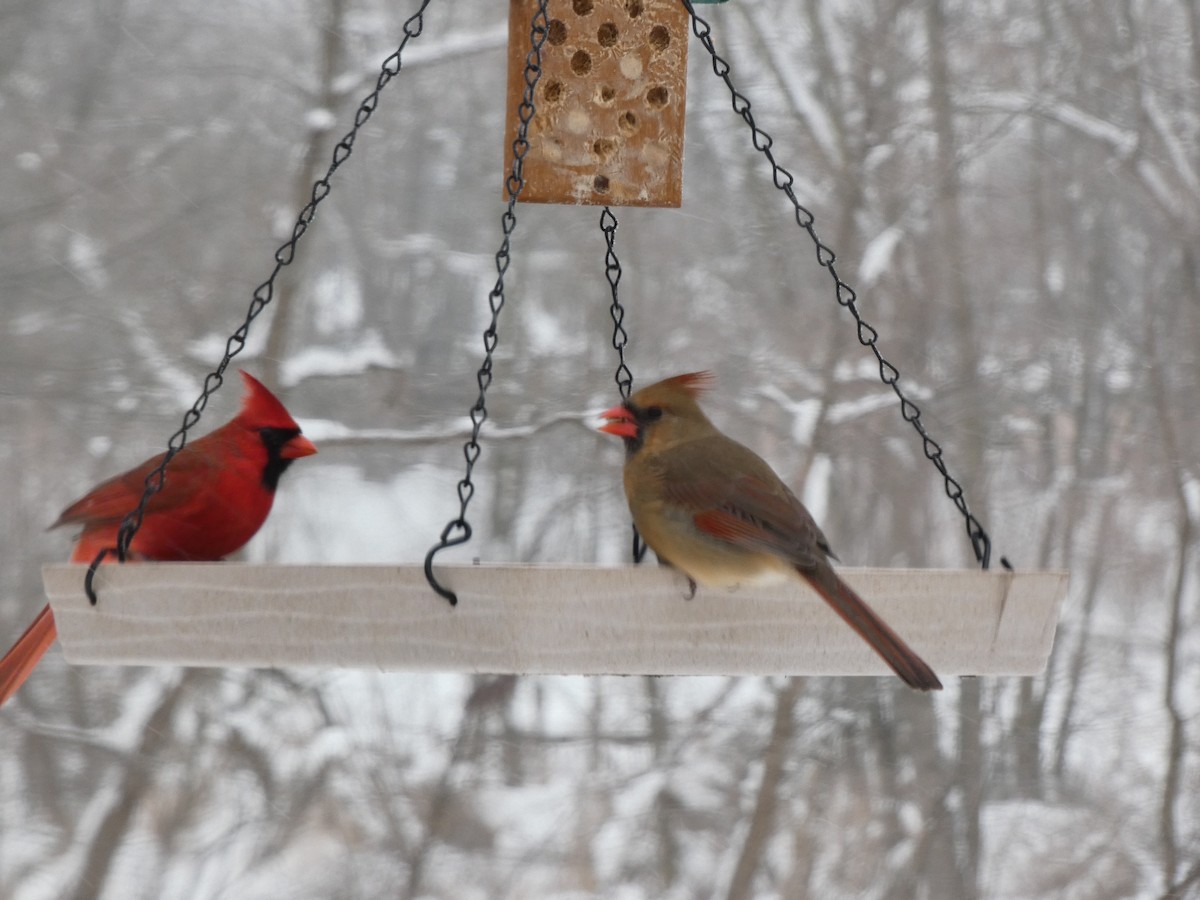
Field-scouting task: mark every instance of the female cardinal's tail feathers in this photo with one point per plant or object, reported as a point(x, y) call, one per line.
point(883, 640)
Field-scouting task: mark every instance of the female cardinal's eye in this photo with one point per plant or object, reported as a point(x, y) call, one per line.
point(653, 413)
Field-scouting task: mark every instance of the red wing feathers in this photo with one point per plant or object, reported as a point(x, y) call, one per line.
point(724, 525)
point(114, 499)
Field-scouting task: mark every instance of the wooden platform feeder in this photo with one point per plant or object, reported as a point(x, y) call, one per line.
point(543, 620)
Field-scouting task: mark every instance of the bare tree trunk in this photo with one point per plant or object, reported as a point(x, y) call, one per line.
point(285, 286)
point(1090, 592)
point(1031, 693)
point(847, 201)
point(439, 804)
point(1192, 9)
point(512, 750)
point(953, 287)
point(665, 804)
point(1172, 792)
point(131, 792)
point(970, 778)
point(762, 825)
point(99, 58)
point(1181, 889)
point(592, 802)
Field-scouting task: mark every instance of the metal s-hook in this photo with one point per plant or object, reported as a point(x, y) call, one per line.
point(446, 541)
point(91, 574)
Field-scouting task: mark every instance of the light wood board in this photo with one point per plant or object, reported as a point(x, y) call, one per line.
point(542, 619)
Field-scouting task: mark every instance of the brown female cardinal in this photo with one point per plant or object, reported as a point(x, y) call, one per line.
point(217, 493)
point(712, 508)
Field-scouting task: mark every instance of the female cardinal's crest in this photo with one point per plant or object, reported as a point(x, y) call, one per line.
point(694, 383)
point(261, 407)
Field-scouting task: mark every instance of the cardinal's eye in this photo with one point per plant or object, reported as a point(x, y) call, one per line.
point(653, 413)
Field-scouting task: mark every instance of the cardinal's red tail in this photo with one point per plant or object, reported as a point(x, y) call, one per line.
point(846, 603)
point(26, 653)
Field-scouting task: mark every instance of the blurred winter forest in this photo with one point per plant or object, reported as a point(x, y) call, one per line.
point(1013, 188)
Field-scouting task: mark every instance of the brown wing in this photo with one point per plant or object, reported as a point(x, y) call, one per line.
point(736, 497)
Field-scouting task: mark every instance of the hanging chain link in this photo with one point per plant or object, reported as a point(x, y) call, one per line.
point(514, 184)
point(623, 377)
point(867, 335)
point(262, 296)
point(612, 271)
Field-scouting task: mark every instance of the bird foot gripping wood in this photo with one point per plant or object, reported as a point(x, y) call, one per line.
point(666, 564)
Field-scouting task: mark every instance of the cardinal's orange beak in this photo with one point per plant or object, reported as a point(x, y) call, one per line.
point(297, 447)
point(620, 422)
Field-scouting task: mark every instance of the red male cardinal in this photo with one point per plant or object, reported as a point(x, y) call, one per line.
point(217, 493)
point(712, 508)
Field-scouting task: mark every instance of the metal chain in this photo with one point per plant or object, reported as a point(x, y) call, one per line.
point(262, 296)
point(612, 271)
point(623, 377)
point(867, 335)
point(539, 28)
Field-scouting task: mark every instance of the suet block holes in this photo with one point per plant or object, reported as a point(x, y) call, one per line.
point(605, 149)
point(610, 101)
point(581, 62)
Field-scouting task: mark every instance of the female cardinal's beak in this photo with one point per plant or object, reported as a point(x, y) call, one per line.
point(621, 422)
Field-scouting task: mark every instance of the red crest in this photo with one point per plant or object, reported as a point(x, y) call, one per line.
point(262, 407)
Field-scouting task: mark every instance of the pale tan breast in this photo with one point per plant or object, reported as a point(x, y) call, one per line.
point(708, 560)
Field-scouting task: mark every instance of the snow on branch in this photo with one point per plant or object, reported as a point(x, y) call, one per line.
point(1123, 142)
point(327, 433)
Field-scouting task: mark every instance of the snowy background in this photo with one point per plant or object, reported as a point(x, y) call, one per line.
point(1012, 186)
